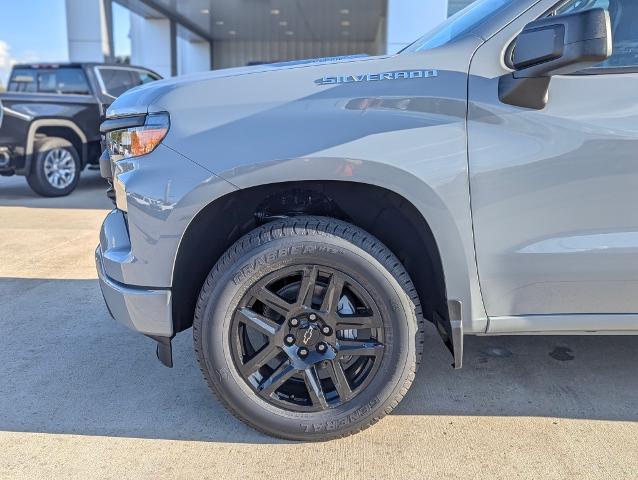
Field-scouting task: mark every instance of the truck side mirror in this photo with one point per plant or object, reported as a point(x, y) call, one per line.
point(556, 45)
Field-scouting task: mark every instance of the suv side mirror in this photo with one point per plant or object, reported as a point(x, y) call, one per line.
point(557, 45)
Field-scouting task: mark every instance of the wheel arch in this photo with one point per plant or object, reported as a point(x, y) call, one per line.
point(389, 215)
point(55, 127)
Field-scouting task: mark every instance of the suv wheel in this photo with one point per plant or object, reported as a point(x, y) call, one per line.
point(308, 329)
point(56, 168)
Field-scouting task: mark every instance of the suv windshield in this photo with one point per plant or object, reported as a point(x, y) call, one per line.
point(458, 25)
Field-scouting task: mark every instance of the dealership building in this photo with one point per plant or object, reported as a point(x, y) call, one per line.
point(175, 37)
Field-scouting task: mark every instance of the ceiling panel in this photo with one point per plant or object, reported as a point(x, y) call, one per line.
point(275, 20)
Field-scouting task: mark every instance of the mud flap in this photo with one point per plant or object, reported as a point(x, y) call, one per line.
point(451, 331)
point(164, 350)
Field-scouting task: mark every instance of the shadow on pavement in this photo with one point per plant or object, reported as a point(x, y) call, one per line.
point(66, 367)
point(90, 194)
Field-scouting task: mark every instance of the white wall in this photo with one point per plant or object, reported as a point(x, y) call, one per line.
point(87, 35)
point(151, 44)
point(151, 48)
point(192, 57)
point(409, 20)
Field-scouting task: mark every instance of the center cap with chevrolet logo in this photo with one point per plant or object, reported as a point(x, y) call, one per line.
point(310, 335)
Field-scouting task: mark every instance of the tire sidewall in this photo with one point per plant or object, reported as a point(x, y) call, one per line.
point(37, 178)
point(395, 307)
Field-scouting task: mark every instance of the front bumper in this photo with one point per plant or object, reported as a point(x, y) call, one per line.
point(144, 309)
point(162, 192)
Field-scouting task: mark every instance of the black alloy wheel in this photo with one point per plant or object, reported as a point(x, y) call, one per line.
point(308, 328)
point(297, 348)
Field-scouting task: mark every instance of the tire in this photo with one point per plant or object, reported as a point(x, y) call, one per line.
point(55, 171)
point(309, 406)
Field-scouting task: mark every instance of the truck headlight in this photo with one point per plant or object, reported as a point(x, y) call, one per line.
point(138, 140)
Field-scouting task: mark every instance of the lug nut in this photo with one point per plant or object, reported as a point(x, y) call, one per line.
point(303, 352)
point(326, 330)
point(312, 317)
point(289, 340)
point(321, 347)
point(294, 322)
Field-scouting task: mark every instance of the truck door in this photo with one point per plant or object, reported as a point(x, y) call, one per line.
point(555, 191)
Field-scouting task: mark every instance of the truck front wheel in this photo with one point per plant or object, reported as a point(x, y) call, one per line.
point(308, 329)
point(55, 170)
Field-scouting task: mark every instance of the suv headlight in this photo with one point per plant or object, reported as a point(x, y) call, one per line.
point(137, 140)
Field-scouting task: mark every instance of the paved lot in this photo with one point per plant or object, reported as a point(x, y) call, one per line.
point(81, 397)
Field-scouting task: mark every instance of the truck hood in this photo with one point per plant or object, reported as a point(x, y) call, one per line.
point(137, 100)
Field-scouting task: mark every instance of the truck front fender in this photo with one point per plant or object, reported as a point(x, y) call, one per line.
point(443, 204)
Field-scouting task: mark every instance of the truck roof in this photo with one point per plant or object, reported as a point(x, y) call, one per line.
point(75, 65)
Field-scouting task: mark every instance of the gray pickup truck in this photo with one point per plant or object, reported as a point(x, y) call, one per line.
point(308, 219)
point(50, 119)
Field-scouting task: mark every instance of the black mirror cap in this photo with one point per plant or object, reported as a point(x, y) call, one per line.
point(554, 46)
point(563, 44)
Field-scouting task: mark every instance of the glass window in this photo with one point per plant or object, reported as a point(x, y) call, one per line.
point(22, 80)
point(459, 24)
point(116, 81)
point(624, 27)
point(70, 81)
point(142, 76)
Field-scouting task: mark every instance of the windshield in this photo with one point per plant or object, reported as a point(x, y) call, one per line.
point(458, 25)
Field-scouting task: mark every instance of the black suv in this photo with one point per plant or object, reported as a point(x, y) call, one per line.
point(50, 118)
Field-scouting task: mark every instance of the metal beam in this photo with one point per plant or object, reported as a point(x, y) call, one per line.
point(211, 44)
point(173, 34)
point(108, 19)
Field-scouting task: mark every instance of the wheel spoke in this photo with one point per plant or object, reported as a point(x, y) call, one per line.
point(273, 301)
point(338, 376)
point(313, 383)
point(330, 302)
point(277, 312)
point(359, 348)
point(59, 168)
point(277, 378)
point(355, 322)
point(265, 355)
point(258, 322)
point(307, 288)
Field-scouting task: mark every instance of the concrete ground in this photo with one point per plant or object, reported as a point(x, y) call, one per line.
point(81, 397)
